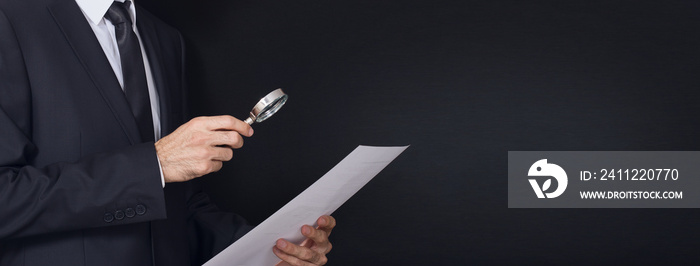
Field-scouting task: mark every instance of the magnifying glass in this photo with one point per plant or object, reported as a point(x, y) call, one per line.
point(267, 106)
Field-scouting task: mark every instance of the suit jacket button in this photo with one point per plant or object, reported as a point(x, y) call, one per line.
point(130, 212)
point(108, 217)
point(140, 209)
point(119, 214)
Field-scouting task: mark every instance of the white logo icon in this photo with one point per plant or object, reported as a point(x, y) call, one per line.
point(542, 168)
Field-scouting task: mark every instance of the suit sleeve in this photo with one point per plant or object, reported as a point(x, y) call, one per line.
point(211, 229)
point(70, 195)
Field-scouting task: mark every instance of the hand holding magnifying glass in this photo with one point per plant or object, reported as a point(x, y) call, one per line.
point(267, 106)
point(180, 152)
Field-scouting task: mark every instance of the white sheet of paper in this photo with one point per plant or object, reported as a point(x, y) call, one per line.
point(321, 198)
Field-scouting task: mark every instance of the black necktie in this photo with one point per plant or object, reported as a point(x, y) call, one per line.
point(133, 71)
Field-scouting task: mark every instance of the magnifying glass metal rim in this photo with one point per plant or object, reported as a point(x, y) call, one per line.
point(267, 106)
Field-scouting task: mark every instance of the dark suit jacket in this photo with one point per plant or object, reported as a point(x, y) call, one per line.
point(77, 185)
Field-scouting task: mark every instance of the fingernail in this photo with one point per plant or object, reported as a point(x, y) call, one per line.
point(281, 243)
point(250, 132)
point(322, 221)
point(305, 230)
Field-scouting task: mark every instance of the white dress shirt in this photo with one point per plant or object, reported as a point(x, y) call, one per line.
point(94, 11)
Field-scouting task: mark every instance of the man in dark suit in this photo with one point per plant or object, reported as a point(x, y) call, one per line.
point(84, 100)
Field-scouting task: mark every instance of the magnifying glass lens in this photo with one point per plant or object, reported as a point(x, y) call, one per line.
point(271, 109)
point(267, 106)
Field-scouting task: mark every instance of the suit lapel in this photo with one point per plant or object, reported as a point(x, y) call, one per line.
point(152, 45)
point(77, 31)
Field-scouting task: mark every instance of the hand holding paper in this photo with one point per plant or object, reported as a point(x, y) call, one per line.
point(321, 198)
point(313, 250)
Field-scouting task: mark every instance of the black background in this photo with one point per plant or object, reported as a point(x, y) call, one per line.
point(463, 82)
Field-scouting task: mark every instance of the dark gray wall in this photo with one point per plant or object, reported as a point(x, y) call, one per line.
point(463, 82)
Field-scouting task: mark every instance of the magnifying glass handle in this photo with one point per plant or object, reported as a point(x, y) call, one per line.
point(249, 120)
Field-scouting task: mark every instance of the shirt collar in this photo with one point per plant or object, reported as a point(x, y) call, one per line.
point(95, 10)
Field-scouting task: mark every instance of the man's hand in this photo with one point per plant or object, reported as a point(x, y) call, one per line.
point(313, 250)
point(200, 146)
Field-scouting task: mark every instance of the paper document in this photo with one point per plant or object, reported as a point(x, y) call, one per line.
point(321, 198)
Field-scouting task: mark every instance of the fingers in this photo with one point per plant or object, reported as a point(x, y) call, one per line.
point(223, 154)
point(326, 223)
point(216, 166)
point(224, 123)
point(199, 146)
point(226, 130)
point(317, 239)
point(226, 138)
point(298, 255)
point(313, 250)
